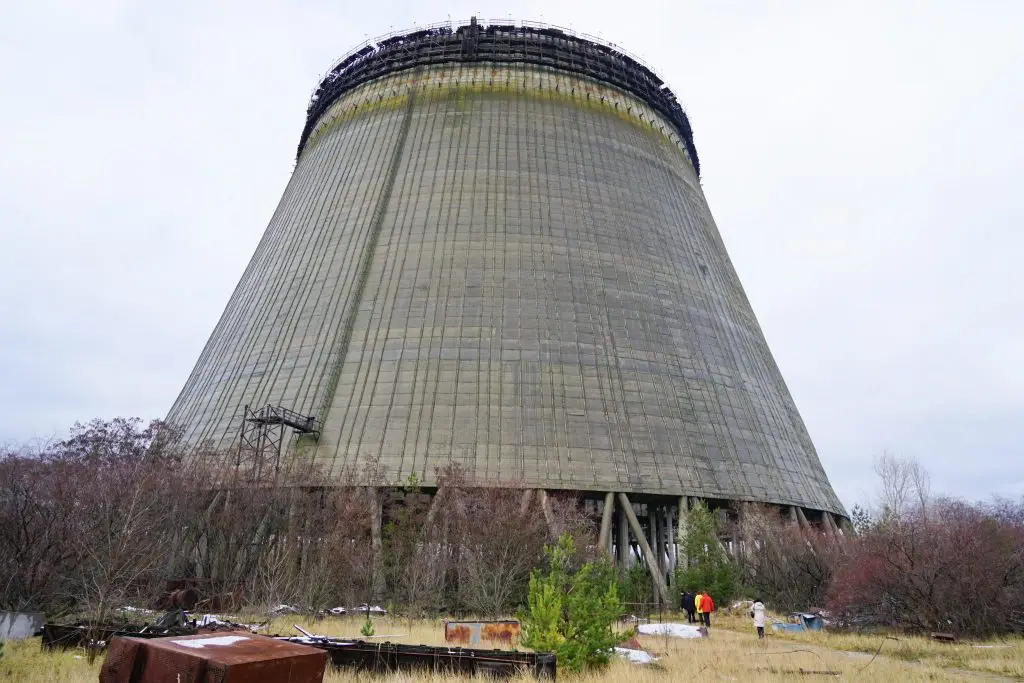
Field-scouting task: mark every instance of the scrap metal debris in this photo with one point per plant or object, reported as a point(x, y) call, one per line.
point(799, 621)
point(474, 632)
point(387, 657)
point(98, 636)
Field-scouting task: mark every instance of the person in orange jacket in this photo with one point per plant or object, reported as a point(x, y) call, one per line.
point(707, 606)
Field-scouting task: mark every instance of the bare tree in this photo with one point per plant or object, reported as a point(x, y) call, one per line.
point(337, 558)
point(121, 511)
point(498, 546)
point(904, 487)
point(35, 534)
point(791, 568)
point(957, 568)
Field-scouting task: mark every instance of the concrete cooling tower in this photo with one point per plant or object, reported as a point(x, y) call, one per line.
point(494, 252)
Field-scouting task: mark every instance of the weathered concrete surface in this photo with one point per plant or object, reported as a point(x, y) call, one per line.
point(19, 625)
point(514, 270)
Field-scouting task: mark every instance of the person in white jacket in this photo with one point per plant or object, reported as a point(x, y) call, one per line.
point(757, 613)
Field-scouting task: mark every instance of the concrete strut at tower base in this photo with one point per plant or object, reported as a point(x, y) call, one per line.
point(495, 253)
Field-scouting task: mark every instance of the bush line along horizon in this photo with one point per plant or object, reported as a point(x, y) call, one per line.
point(100, 519)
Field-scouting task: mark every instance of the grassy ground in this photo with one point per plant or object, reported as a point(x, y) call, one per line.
point(732, 653)
point(1003, 657)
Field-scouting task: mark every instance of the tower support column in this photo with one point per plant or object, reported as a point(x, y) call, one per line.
point(625, 554)
point(645, 548)
point(604, 540)
point(683, 560)
point(652, 530)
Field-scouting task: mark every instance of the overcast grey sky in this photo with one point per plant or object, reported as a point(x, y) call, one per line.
point(863, 161)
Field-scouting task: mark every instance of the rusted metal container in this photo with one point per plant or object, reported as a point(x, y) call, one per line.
point(231, 657)
point(475, 632)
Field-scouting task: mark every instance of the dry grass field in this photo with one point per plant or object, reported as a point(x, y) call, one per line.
point(732, 653)
point(1000, 657)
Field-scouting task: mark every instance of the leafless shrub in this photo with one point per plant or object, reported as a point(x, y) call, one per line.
point(337, 560)
point(35, 534)
point(492, 542)
point(106, 517)
point(958, 568)
point(789, 567)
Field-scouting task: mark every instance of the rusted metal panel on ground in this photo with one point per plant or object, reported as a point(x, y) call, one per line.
point(383, 658)
point(229, 657)
point(475, 632)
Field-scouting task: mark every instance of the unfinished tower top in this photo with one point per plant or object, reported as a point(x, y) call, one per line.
point(500, 43)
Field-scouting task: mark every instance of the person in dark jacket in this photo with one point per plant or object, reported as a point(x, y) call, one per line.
point(689, 608)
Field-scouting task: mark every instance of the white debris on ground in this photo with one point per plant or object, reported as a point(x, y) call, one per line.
point(673, 630)
point(220, 620)
point(282, 609)
point(635, 656)
point(370, 609)
point(136, 610)
point(336, 611)
point(306, 640)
